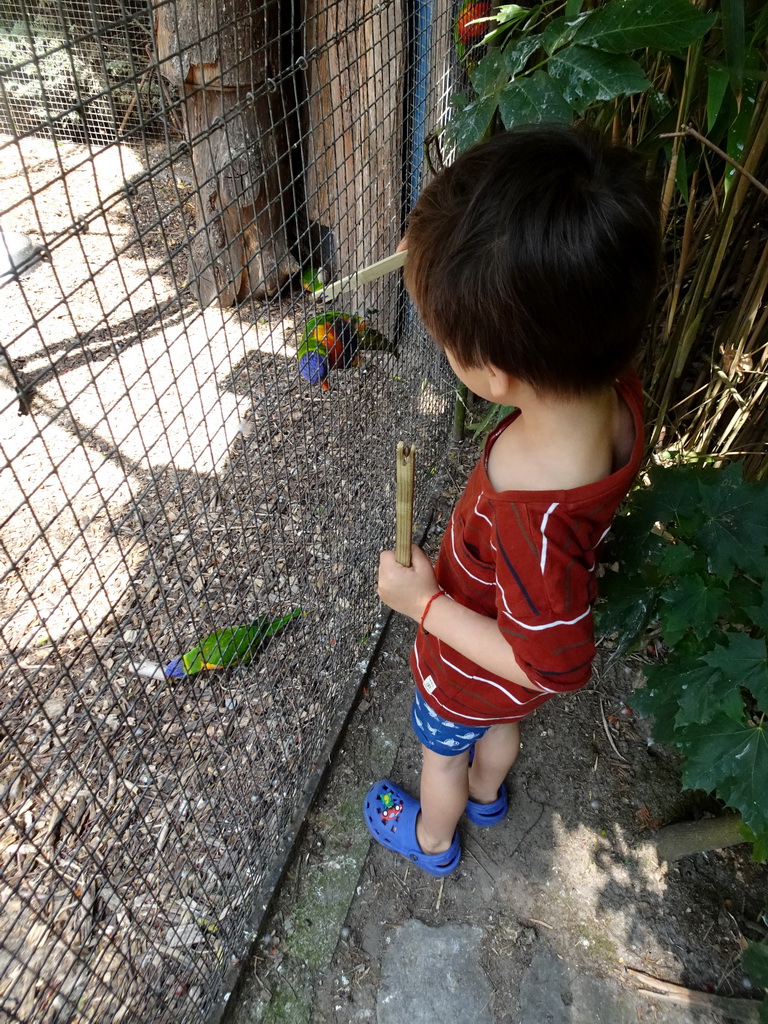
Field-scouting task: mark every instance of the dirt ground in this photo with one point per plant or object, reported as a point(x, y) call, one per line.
point(170, 473)
point(573, 868)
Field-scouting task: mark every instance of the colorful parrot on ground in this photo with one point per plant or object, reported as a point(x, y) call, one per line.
point(332, 341)
point(469, 31)
point(235, 646)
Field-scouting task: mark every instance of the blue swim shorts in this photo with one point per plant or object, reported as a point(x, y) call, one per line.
point(438, 733)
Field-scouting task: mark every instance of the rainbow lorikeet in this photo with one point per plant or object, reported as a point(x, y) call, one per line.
point(469, 30)
point(313, 280)
point(225, 647)
point(331, 341)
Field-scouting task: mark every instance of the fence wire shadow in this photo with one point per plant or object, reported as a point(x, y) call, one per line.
point(168, 179)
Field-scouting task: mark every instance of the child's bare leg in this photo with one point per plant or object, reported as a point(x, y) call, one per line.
point(444, 792)
point(495, 754)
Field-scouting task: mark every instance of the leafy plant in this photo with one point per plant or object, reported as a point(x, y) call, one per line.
point(549, 67)
point(689, 88)
point(693, 559)
point(755, 963)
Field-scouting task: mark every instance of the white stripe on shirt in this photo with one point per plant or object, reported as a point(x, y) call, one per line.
point(459, 562)
point(543, 561)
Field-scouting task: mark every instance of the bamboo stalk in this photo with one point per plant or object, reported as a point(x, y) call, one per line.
point(406, 465)
point(688, 130)
point(459, 412)
point(684, 254)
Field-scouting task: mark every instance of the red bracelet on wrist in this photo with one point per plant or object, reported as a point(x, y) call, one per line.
point(427, 606)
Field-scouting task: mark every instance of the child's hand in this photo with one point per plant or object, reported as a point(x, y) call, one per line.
point(406, 590)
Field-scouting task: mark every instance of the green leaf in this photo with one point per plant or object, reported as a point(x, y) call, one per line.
point(759, 842)
point(626, 25)
point(681, 174)
point(627, 608)
point(731, 759)
point(519, 53)
point(734, 40)
point(735, 532)
point(673, 495)
point(533, 100)
point(744, 661)
point(558, 33)
point(717, 83)
point(632, 539)
point(739, 132)
point(755, 963)
point(586, 75)
point(746, 593)
point(660, 103)
point(508, 14)
point(572, 7)
point(707, 695)
point(693, 602)
point(490, 73)
point(660, 700)
point(760, 30)
point(759, 616)
point(679, 559)
point(501, 21)
point(470, 124)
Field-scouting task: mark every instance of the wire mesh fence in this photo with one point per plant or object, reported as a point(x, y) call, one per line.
point(172, 468)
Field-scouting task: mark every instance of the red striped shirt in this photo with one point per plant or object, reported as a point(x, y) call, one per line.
point(526, 559)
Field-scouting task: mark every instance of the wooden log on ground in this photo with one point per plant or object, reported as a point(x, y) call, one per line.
point(220, 55)
point(689, 837)
point(740, 1011)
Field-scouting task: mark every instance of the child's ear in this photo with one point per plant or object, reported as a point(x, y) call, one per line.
point(500, 383)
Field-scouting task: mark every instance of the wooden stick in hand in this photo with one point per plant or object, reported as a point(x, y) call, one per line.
point(406, 464)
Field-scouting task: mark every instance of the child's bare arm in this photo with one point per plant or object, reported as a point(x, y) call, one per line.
point(407, 590)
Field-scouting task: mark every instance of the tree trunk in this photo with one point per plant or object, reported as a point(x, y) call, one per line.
point(224, 57)
point(354, 120)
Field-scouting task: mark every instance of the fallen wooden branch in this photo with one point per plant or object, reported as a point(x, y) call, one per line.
point(675, 841)
point(741, 1011)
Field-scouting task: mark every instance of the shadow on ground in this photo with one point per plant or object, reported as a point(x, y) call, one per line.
point(560, 915)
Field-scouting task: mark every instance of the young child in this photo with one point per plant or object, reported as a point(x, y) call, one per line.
point(532, 261)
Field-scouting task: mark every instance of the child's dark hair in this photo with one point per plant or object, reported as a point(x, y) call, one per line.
point(538, 252)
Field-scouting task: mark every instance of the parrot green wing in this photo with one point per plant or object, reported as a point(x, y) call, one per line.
point(372, 340)
point(313, 280)
point(229, 646)
point(235, 646)
point(192, 661)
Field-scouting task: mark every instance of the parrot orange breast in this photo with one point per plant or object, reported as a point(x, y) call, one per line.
point(342, 342)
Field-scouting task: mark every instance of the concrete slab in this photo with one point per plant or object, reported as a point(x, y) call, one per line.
point(433, 974)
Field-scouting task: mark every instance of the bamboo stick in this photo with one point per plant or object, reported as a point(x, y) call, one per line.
point(406, 464)
point(364, 275)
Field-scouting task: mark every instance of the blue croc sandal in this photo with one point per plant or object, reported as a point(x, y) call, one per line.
point(487, 814)
point(391, 814)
